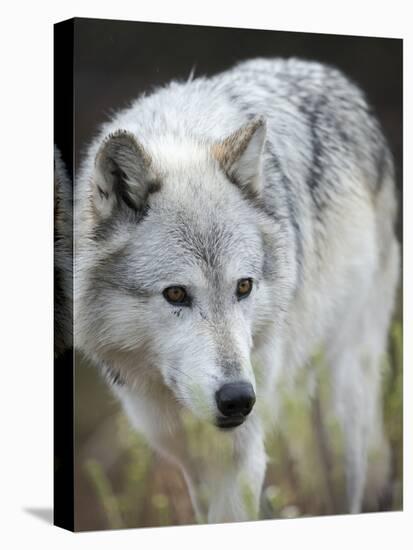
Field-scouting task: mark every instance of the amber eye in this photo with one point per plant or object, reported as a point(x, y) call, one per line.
point(244, 288)
point(176, 295)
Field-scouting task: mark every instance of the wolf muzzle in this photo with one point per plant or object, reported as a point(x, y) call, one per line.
point(235, 401)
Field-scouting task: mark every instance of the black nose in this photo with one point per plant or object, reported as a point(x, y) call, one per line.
point(235, 399)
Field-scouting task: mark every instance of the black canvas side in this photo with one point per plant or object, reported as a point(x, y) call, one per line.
point(64, 358)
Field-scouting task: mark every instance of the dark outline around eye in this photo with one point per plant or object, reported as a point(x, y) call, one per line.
point(243, 296)
point(184, 303)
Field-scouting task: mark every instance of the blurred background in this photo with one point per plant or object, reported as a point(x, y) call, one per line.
point(119, 482)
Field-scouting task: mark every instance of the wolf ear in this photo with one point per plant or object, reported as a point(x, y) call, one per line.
point(122, 175)
point(240, 155)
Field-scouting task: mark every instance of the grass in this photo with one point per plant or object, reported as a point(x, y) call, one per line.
point(304, 477)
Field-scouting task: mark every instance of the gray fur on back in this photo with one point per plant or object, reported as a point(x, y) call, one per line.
point(322, 137)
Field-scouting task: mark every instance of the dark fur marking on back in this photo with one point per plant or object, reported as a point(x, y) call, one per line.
point(316, 171)
point(292, 211)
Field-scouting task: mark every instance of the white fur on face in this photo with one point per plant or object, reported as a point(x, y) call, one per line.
point(200, 347)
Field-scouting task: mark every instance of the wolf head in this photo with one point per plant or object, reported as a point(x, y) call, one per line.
point(181, 267)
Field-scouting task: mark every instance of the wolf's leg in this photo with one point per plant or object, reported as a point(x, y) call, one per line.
point(357, 383)
point(358, 406)
point(350, 405)
point(225, 477)
point(160, 423)
point(224, 471)
point(235, 488)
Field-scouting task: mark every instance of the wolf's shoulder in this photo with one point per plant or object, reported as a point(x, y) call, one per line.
point(217, 104)
point(298, 81)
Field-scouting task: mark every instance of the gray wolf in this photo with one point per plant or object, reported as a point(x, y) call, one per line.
point(227, 228)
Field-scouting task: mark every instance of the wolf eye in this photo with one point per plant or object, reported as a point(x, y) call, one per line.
point(244, 288)
point(176, 295)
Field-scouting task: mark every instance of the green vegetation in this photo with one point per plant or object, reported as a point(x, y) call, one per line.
point(133, 487)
